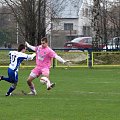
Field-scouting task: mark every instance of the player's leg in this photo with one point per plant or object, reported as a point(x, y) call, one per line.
point(1, 77)
point(14, 80)
point(31, 77)
point(45, 73)
point(11, 89)
point(34, 74)
point(11, 76)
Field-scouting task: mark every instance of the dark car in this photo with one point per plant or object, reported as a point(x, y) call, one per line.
point(81, 43)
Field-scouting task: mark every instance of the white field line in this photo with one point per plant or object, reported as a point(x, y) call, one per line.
point(101, 82)
point(67, 99)
point(92, 92)
point(78, 92)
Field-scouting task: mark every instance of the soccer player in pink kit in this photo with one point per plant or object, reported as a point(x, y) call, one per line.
point(44, 54)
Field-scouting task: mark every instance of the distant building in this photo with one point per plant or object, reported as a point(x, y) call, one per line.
point(72, 22)
point(85, 17)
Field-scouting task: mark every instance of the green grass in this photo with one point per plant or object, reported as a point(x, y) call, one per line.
point(80, 94)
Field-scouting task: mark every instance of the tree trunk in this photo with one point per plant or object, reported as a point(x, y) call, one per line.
point(96, 24)
point(41, 20)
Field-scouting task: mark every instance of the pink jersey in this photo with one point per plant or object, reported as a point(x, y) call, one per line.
point(44, 56)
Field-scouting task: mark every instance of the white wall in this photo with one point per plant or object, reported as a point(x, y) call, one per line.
point(84, 20)
point(59, 24)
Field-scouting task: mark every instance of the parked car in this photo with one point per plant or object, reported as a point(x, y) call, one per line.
point(80, 42)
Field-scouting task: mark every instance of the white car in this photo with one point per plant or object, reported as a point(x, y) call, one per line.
point(111, 47)
point(113, 44)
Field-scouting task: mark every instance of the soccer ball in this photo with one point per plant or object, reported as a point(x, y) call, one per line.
point(44, 80)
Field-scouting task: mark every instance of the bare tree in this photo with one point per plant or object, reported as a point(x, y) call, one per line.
point(31, 17)
point(96, 23)
point(41, 20)
point(7, 28)
point(114, 18)
point(105, 17)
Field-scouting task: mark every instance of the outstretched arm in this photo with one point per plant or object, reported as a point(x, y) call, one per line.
point(62, 60)
point(30, 46)
point(30, 57)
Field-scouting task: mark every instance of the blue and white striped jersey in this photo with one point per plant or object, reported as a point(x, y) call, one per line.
point(16, 58)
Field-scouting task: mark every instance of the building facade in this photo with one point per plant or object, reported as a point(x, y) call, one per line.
point(73, 21)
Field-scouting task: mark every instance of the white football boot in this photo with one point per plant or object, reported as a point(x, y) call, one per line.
point(32, 92)
point(51, 86)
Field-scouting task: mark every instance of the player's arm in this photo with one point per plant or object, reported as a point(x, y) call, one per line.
point(30, 57)
point(62, 60)
point(30, 46)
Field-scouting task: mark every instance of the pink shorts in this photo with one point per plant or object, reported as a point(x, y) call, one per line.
point(41, 71)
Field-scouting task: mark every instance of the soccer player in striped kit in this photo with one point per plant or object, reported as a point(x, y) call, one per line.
point(16, 57)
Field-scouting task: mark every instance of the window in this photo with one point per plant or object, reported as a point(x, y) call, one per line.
point(86, 30)
point(83, 12)
point(51, 26)
point(68, 26)
point(86, 12)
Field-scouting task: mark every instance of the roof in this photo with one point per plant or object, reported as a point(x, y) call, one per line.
point(71, 9)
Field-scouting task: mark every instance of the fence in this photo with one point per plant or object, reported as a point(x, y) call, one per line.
point(77, 57)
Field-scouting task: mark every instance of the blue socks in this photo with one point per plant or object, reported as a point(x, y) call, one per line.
point(10, 90)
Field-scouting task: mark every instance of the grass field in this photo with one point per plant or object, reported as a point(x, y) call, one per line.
point(80, 94)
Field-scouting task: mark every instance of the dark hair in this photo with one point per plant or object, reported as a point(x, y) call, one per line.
point(21, 47)
point(44, 39)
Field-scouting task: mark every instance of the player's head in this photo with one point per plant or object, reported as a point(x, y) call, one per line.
point(21, 48)
point(44, 42)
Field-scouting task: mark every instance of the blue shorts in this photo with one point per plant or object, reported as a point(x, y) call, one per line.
point(13, 75)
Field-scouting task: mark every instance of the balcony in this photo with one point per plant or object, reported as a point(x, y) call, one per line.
point(65, 32)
